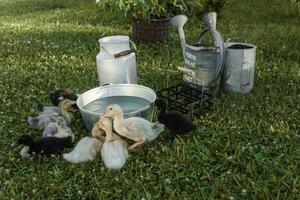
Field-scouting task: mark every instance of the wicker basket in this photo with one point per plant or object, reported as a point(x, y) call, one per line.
point(156, 30)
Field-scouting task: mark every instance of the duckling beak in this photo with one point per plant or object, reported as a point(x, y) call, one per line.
point(73, 102)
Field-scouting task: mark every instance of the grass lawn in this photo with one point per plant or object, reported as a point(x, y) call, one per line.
point(247, 148)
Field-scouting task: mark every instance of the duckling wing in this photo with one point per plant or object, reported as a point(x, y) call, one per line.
point(137, 122)
point(141, 127)
point(50, 129)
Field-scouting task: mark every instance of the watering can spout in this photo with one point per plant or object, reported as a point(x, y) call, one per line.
point(179, 21)
point(210, 20)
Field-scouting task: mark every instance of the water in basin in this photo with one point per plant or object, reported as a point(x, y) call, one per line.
point(128, 103)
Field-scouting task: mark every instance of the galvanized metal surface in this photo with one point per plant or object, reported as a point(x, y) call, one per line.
point(238, 75)
point(113, 70)
point(210, 20)
point(179, 21)
point(90, 118)
point(206, 62)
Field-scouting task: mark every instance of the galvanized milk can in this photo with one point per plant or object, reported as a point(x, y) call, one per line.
point(238, 74)
point(116, 61)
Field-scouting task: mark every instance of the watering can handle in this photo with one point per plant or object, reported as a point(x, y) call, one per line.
point(222, 54)
point(201, 35)
point(229, 39)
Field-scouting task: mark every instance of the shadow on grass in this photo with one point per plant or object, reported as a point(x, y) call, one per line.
point(73, 11)
point(265, 12)
point(14, 8)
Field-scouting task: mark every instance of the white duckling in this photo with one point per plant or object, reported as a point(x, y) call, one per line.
point(51, 127)
point(85, 150)
point(63, 130)
point(46, 114)
point(134, 128)
point(41, 120)
point(47, 109)
point(114, 150)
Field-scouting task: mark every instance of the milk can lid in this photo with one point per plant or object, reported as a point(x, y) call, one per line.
point(114, 39)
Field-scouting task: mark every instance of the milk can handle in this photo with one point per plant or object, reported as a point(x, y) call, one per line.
point(126, 52)
point(122, 53)
point(229, 39)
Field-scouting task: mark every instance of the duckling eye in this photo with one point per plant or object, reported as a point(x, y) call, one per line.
point(110, 109)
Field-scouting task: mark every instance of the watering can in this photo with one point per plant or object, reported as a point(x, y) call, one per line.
point(116, 61)
point(203, 65)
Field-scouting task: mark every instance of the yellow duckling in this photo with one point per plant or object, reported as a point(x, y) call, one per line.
point(114, 150)
point(134, 128)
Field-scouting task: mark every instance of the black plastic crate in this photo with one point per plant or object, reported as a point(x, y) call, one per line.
point(187, 99)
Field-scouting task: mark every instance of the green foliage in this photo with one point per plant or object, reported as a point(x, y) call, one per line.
point(143, 9)
point(200, 7)
point(149, 9)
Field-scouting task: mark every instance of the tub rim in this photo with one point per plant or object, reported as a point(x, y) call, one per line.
point(79, 99)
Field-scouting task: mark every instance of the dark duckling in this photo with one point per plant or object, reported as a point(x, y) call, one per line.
point(177, 123)
point(45, 145)
point(60, 94)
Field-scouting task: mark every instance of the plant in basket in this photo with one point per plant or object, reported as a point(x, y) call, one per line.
point(150, 18)
point(201, 7)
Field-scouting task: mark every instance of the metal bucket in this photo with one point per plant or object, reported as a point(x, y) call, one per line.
point(116, 61)
point(130, 90)
point(238, 74)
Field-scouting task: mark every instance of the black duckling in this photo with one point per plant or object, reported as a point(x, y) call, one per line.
point(60, 94)
point(177, 123)
point(44, 146)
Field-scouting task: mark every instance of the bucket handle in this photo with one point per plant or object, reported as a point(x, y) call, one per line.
point(122, 53)
point(229, 39)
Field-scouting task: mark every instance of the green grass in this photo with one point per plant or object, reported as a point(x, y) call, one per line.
point(247, 148)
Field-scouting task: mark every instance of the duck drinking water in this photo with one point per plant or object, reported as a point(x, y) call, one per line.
point(135, 128)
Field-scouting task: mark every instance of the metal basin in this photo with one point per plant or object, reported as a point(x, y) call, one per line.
point(117, 91)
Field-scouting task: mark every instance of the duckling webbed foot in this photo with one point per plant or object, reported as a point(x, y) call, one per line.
point(135, 145)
